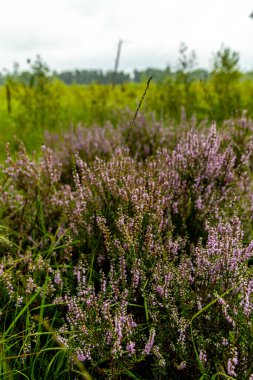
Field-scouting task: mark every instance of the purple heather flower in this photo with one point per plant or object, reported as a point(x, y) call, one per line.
point(150, 342)
point(130, 347)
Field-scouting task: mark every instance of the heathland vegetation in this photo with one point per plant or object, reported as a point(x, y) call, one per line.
point(126, 237)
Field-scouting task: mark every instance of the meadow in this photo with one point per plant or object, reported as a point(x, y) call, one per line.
point(126, 238)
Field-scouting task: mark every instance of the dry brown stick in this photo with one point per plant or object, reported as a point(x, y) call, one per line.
point(137, 110)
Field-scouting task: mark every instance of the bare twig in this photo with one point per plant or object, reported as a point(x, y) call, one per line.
point(137, 110)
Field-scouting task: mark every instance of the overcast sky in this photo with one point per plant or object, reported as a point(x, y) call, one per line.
point(71, 34)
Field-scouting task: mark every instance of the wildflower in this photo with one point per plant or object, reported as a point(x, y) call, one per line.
point(130, 347)
point(150, 342)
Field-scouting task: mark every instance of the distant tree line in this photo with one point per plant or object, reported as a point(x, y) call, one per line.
point(87, 76)
point(101, 77)
point(185, 72)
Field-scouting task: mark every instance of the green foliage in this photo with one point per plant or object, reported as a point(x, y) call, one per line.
point(186, 64)
point(33, 100)
point(225, 79)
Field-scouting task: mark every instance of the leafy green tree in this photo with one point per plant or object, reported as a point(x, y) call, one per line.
point(186, 63)
point(37, 99)
point(225, 77)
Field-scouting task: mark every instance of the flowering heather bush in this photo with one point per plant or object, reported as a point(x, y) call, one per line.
point(141, 314)
point(197, 177)
point(138, 208)
point(88, 142)
point(32, 197)
point(32, 204)
point(145, 138)
point(140, 261)
point(181, 188)
point(238, 133)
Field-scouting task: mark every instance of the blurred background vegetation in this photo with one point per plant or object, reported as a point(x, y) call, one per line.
point(38, 100)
